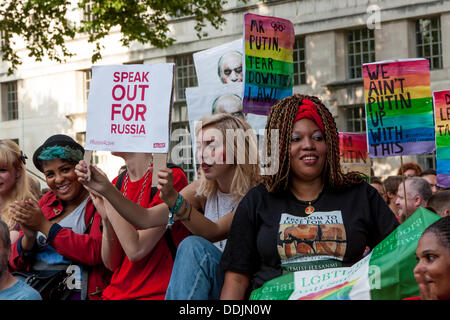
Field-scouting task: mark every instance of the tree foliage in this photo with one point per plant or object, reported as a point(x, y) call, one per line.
point(44, 25)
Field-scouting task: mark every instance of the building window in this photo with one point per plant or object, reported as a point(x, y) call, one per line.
point(99, 158)
point(80, 137)
point(2, 38)
point(88, 16)
point(299, 62)
point(185, 75)
point(427, 161)
point(428, 41)
point(182, 13)
point(360, 50)
point(355, 119)
point(12, 102)
point(87, 74)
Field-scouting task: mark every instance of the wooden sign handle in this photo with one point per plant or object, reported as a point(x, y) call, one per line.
point(159, 161)
point(88, 159)
point(403, 181)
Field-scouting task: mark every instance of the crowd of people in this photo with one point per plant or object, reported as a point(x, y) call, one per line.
point(219, 237)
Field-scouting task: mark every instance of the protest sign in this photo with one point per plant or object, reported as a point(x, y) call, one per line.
point(384, 274)
point(353, 152)
point(353, 147)
point(399, 111)
point(129, 108)
point(227, 98)
point(268, 64)
point(221, 64)
point(212, 99)
point(442, 120)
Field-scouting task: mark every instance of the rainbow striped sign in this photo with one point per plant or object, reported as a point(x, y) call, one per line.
point(353, 148)
point(399, 109)
point(269, 63)
point(353, 152)
point(442, 117)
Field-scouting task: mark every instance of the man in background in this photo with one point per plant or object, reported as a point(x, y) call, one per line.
point(430, 176)
point(417, 193)
point(440, 203)
point(391, 184)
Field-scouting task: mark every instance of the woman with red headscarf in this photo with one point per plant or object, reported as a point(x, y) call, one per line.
point(308, 215)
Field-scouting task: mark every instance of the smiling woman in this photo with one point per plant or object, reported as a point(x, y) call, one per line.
point(309, 215)
point(433, 256)
point(63, 228)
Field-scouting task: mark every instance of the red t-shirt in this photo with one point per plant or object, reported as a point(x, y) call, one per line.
point(149, 277)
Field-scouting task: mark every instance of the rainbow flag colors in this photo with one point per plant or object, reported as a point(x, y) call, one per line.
point(353, 147)
point(268, 64)
point(399, 111)
point(384, 274)
point(339, 292)
point(353, 152)
point(442, 120)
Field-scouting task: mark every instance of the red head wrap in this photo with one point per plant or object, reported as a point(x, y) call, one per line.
point(307, 109)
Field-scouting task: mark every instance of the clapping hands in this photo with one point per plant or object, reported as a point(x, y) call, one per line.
point(30, 217)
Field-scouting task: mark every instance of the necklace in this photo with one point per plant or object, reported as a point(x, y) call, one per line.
point(309, 204)
point(309, 209)
point(141, 192)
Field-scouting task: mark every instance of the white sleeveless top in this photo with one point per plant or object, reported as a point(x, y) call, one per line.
point(218, 205)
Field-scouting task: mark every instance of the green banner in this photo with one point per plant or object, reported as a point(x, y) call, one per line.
point(385, 274)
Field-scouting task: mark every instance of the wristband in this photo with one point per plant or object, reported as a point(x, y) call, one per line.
point(174, 210)
point(180, 214)
point(176, 207)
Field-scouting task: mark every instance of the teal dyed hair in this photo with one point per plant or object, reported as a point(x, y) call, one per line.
point(58, 152)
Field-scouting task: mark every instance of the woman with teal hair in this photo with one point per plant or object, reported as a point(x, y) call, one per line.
point(63, 228)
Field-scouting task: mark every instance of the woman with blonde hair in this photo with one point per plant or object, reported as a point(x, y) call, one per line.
point(14, 184)
point(206, 206)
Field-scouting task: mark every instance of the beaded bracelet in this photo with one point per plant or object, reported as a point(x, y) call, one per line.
point(178, 214)
point(175, 209)
point(177, 206)
point(181, 213)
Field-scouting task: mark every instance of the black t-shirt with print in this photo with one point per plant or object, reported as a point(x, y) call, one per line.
point(271, 232)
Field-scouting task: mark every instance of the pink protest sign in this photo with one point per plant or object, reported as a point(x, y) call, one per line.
point(353, 152)
point(353, 147)
point(129, 108)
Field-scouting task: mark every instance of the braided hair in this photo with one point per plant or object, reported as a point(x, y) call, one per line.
point(441, 228)
point(281, 117)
